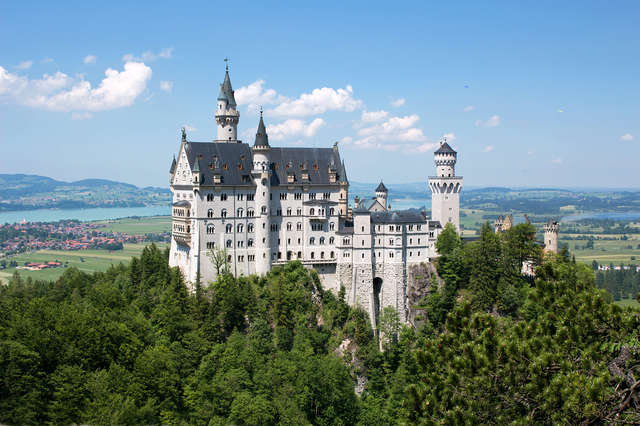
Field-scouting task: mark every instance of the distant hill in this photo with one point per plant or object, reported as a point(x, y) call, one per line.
point(28, 192)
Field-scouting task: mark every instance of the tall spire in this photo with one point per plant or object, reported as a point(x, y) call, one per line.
point(226, 91)
point(262, 139)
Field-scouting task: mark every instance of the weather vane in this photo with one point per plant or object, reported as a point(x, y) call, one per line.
point(226, 61)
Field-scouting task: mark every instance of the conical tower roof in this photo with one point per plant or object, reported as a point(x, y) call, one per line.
point(226, 91)
point(343, 174)
point(445, 148)
point(196, 166)
point(262, 139)
point(173, 165)
point(381, 188)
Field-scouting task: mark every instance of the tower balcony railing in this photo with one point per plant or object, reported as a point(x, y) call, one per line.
point(182, 238)
point(445, 177)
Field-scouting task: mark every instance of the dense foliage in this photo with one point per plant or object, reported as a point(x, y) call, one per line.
point(623, 282)
point(132, 345)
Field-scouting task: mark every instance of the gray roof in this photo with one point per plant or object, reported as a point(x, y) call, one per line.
point(181, 203)
point(262, 139)
point(398, 216)
point(226, 91)
point(381, 188)
point(445, 149)
point(173, 165)
point(343, 174)
point(233, 161)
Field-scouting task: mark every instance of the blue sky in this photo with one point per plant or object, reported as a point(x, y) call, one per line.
point(536, 94)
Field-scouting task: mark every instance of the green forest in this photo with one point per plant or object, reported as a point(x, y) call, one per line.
point(132, 345)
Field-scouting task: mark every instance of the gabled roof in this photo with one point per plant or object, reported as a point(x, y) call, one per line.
point(381, 188)
point(445, 149)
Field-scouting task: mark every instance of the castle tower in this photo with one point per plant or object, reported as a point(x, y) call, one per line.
point(261, 174)
point(551, 236)
point(227, 116)
point(445, 187)
point(381, 195)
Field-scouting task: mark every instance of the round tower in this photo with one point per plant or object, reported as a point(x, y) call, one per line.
point(227, 116)
point(261, 174)
point(381, 195)
point(551, 236)
point(445, 187)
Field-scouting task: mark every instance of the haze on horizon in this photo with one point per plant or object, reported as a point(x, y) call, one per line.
point(542, 95)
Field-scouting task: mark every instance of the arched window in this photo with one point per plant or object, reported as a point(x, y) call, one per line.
point(250, 213)
point(210, 213)
point(188, 229)
point(312, 241)
point(299, 255)
point(289, 227)
point(332, 211)
point(264, 209)
point(240, 243)
point(332, 226)
point(239, 212)
point(331, 240)
point(229, 243)
point(250, 227)
point(299, 226)
point(333, 255)
point(313, 255)
point(321, 240)
point(229, 228)
point(289, 211)
point(223, 213)
point(312, 211)
point(211, 228)
point(321, 255)
point(250, 242)
point(240, 227)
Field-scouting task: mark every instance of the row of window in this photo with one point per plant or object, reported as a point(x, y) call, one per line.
point(224, 197)
point(283, 196)
point(251, 212)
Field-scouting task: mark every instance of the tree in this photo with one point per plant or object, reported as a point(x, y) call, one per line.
point(220, 261)
point(389, 326)
point(448, 240)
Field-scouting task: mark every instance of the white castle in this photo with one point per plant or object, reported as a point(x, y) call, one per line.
point(266, 205)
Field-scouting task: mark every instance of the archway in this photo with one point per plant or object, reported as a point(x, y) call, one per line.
point(377, 288)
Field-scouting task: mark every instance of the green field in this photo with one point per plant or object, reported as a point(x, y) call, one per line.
point(606, 252)
point(85, 260)
point(628, 303)
point(139, 226)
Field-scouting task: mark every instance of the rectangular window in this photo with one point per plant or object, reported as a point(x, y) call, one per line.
point(297, 196)
point(283, 196)
point(250, 197)
point(240, 197)
point(312, 195)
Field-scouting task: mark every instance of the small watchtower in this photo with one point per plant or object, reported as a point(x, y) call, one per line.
point(381, 195)
point(551, 236)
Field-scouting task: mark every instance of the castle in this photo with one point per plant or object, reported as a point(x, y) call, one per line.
point(267, 205)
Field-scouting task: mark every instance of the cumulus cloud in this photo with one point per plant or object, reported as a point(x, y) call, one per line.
point(493, 121)
point(24, 65)
point(373, 116)
point(90, 59)
point(450, 137)
point(427, 147)
point(59, 92)
point(294, 128)
point(488, 148)
point(255, 95)
point(189, 128)
point(393, 134)
point(318, 101)
point(469, 108)
point(398, 102)
point(149, 56)
point(626, 137)
point(166, 86)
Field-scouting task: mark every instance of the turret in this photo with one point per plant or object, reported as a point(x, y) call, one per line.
point(445, 158)
point(381, 195)
point(261, 174)
point(551, 236)
point(227, 116)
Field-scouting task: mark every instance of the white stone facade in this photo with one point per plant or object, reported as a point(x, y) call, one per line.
point(265, 206)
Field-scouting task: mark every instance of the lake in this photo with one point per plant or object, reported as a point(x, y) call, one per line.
point(100, 213)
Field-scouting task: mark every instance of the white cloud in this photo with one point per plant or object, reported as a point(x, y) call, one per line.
point(90, 59)
point(189, 128)
point(255, 95)
point(166, 86)
point(373, 116)
point(59, 92)
point(398, 102)
point(81, 115)
point(531, 152)
point(317, 102)
point(149, 56)
point(24, 65)
point(294, 128)
point(493, 121)
point(488, 148)
point(450, 137)
point(346, 140)
point(557, 160)
point(427, 147)
point(626, 137)
point(46, 60)
point(395, 133)
point(469, 108)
